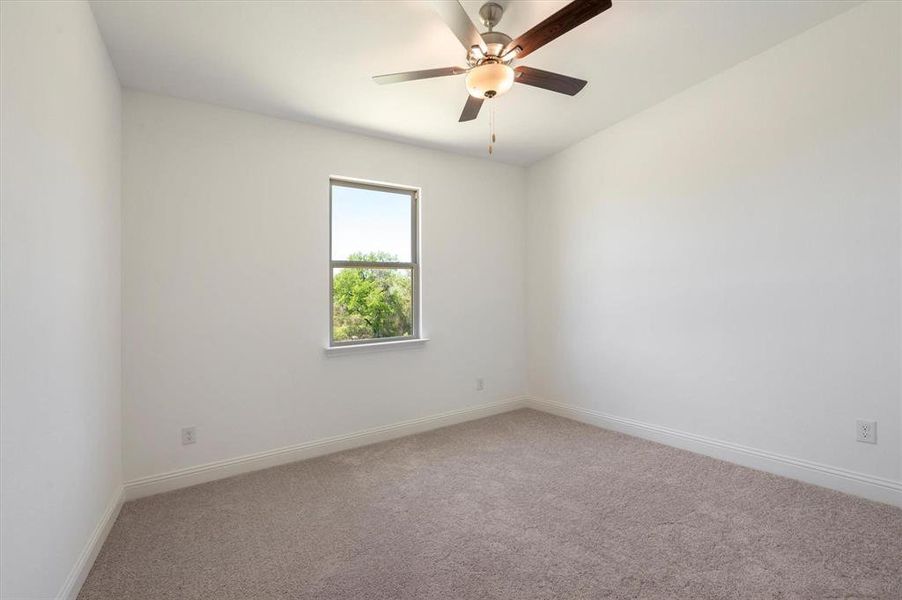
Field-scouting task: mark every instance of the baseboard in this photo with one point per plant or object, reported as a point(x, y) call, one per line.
point(85, 561)
point(173, 480)
point(850, 482)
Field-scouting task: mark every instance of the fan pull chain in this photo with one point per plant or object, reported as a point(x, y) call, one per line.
point(492, 130)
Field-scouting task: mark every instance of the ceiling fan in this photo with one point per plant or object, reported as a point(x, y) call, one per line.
point(491, 54)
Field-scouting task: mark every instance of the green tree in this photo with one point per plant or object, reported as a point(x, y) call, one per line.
point(371, 303)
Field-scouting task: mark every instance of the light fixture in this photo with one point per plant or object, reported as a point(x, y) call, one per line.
point(489, 80)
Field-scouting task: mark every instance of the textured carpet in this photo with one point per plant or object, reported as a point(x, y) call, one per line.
point(519, 506)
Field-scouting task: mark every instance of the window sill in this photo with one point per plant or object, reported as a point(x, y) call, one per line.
point(375, 346)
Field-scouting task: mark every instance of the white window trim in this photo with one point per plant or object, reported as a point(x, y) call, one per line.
point(414, 265)
point(403, 344)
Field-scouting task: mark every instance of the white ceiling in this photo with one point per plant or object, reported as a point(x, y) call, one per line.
point(312, 61)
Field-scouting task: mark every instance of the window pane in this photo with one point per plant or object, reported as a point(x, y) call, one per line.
point(370, 225)
point(371, 303)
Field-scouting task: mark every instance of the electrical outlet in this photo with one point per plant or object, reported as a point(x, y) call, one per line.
point(480, 384)
point(189, 435)
point(866, 431)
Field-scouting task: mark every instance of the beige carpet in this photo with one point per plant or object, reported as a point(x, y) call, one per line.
point(519, 506)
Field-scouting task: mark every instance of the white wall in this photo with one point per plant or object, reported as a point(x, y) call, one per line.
point(727, 263)
point(225, 295)
point(60, 159)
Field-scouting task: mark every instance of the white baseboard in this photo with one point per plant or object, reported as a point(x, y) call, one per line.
point(173, 480)
point(85, 561)
point(850, 482)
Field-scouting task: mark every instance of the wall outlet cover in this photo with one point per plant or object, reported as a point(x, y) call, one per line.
point(866, 431)
point(189, 435)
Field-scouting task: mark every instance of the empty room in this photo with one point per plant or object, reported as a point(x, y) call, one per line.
point(450, 300)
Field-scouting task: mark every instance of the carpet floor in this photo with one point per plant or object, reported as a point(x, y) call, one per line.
point(518, 506)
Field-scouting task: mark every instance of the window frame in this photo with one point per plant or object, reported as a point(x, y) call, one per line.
point(413, 265)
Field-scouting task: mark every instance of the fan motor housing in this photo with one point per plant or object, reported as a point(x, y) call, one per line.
point(495, 42)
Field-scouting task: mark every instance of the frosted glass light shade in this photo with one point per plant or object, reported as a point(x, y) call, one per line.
point(489, 80)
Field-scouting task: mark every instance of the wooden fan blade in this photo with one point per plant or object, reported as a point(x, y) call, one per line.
point(574, 14)
point(471, 109)
point(414, 75)
point(549, 81)
point(459, 23)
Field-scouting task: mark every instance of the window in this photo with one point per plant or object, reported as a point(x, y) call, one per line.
point(374, 279)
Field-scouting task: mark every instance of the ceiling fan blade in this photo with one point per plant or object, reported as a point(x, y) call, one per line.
point(549, 81)
point(574, 14)
point(471, 109)
point(459, 23)
point(414, 75)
